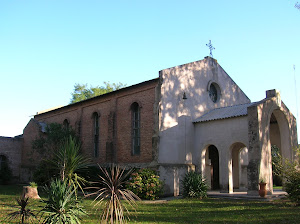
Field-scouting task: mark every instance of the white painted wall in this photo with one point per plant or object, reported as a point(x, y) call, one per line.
point(176, 129)
point(223, 134)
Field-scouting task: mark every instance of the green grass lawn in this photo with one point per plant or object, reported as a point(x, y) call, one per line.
point(179, 211)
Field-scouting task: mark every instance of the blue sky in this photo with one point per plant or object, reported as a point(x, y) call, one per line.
point(48, 46)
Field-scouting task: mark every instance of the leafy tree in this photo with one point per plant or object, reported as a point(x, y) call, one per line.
point(82, 92)
point(56, 134)
point(43, 173)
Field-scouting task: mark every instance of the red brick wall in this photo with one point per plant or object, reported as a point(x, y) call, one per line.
point(29, 157)
point(114, 121)
point(11, 149)
point(145, 99)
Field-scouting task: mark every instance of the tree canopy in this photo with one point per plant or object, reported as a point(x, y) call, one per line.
point(82, 92)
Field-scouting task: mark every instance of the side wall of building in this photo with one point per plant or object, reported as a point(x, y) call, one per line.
point(114, 111)
point(11, 148)
point(30, 158)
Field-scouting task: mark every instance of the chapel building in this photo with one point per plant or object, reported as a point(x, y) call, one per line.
point(192, 117)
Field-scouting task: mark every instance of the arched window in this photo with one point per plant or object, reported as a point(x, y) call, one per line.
point(66, 124)
point(214, 91)
point(135, 129)
point(96, 133)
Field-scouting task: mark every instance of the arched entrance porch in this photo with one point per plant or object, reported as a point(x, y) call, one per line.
point(279, 134)
point(269, 122)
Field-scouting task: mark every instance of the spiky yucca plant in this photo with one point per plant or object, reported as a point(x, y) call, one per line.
point(61, 205)
point(112, 192)
point(68, 161)
point(23, 214)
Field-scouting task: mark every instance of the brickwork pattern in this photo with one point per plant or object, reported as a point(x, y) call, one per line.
point(30, 158)
point(11, 148)
point(115, 121)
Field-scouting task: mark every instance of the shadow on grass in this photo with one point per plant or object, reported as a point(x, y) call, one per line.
point(179, 211)
point(217, 211)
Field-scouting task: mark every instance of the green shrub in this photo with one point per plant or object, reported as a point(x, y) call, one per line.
point(292, 187)
point(145, 184)
point(33, 184)
point(194, 185)
point(291, 175)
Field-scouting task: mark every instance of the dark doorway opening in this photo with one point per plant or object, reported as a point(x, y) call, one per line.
point(213, 155)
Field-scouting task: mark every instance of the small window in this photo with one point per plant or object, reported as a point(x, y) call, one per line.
point(96, 133)
point(214, 92)
point(135, 129)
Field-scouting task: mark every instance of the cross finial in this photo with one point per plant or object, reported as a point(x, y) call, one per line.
point(211, 48)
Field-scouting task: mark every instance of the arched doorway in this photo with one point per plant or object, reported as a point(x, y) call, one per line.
point(279, 136)
point(238, 167)
point(275, 142)
point(3, 161)
point(213, 156)
point(5, 171)
point(210, 166)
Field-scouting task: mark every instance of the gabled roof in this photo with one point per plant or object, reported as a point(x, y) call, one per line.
point(97, 97)
point(224, 112)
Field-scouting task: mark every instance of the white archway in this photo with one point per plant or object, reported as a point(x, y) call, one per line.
point(237, 165)
point(279, 135)
point(262, 133)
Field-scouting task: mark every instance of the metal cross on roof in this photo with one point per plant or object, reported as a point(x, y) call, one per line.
point(211, 48)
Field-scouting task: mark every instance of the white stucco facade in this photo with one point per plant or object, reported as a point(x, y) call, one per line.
point(176, 127)
point(186, 137)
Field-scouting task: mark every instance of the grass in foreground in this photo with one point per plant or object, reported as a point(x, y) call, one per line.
point(179, 211)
